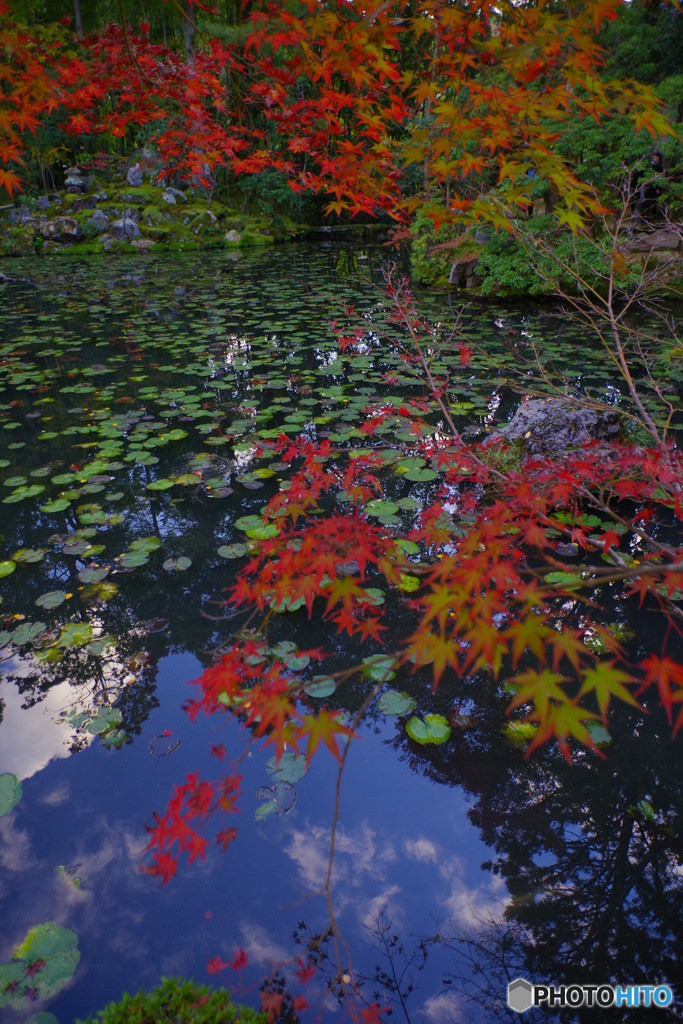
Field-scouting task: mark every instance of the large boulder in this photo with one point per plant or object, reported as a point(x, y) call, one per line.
point(547, 426)
point(61, 229)
point(125, 228)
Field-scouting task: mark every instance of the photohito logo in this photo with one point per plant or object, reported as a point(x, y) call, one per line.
point(522, 995)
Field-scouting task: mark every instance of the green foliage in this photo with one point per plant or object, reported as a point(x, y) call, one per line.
point(505, 262)
point(434, 251)
point(179, 1001)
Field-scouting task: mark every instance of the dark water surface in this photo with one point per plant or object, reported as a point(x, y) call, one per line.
point(131, 393)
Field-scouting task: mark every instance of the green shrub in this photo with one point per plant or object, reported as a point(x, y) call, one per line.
point(177, 1001)
point(433, 252)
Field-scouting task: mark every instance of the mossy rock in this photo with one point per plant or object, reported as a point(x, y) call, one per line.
point(154, 216)
point(179, 1001)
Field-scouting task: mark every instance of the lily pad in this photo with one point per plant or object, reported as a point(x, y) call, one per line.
point(232, 550)
point(27, 632)
point(46, 961)
point(177, 564)
point(396, 702)
point(377, 507)
point(11, 793)
point(160, 485)
point(7, 567)
point(58, 505)
point(378, 668)
point(52, 599)
point(320, 686)
point(290, 768)
point(434, 729)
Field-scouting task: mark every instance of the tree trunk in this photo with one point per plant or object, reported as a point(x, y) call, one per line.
point(189, 29)
point(79, 20)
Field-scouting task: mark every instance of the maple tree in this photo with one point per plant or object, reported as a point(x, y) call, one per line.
point(345, 99)
point(324, 94)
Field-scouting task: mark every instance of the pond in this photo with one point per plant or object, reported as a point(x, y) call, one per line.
point(132, 392)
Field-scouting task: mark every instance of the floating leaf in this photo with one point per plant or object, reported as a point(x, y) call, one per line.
point(75, 634)
point(420, 475)
point(92, 575)
point(568, 580)
point(395, 702)
point(29, 556)
point(408, 583)
point(290, 768)
point(280, 800)
point(377, 507)
point(598, 733)
point(11, 793)
point(232, 550)
point(58, 505)
point(160, 485)
point(52, 599)
point(133, 559)
point(177, 564)
point(434, 729)
point(7, 567)
point(320, 686)
point(378, 668)
point(27, 632)
point(145, 544)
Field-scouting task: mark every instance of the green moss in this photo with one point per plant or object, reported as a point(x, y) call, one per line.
point(179, 1001)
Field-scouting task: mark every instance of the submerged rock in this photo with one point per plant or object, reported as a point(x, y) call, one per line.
point(547, 426)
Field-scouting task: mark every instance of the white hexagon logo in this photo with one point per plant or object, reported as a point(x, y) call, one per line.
point(520, 995)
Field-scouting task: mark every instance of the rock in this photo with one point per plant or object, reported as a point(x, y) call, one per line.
point(142, 243)
point(61, 229)
point(655, 240)
point(172, 195)
point(44, 202)
point(21, 216)
point(125, 228)
point(134, 176)
point(548, 426)
point(90, 203)
point(232, 236)
point(99, 220)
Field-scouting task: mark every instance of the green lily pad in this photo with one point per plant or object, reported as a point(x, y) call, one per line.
point(320, 686)
point(408, 583)
point(420, 475)
point(51, 953)
point(378, 668)
point(11, 793)
point(92, 575)
point(290, 768)
point(377, 507)
point(395, 702)
point(568, 580)
point(232, 550)
point(434, 729)
point(52, 599)
point(177, 564)
point(75, 634)
point(29, 556)
point(27, 632)
point(160, 485)
point(598, 733)
point(7, 567)
point(133, 559)
point(145, 544)
point(58, 505)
